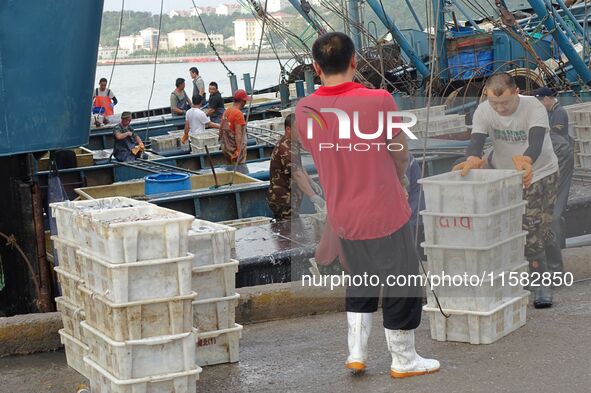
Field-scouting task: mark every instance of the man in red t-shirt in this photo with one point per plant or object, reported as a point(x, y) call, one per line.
point(361, 159)
point(233, 130)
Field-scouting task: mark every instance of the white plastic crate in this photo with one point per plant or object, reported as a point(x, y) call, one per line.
point(209, 139)
point(433, 111)
point(211, 243)
point(213, 281)
point(135, 234)
point(215, 314)
point(138, 320)
point(64, 212)
point(131, 282)
point(583, 132)
point(480, 191)
point(75, 352)
point(72, 315)
point(439, 123)
point(477, 327)
point(585, 146)
point(243, 223)
point(66, 254)
point(102, 381)
point(474, 296)
point(141, 358)
point(69, 287)
point(475, 260)
point(473, 230)
point(440, 131)
point(582, 116)
point(585, 160)
point(220, 346)
point(164, 143)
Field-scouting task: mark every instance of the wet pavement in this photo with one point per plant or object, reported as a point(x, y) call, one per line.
point(551, 353)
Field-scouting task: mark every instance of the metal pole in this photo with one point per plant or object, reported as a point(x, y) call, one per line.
point(309, 78)
point(414, 15)
point(462, 10)
point(562, 23)
point(438, 9)
point(284, 94)
point(571, 17)
point(398, 37)
point(233, 83)
point(564, 44)
point(353, 7)
point(296, 4)
point(300, 92)
point(247, 84)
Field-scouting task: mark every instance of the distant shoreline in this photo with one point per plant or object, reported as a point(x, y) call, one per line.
point(192, 59)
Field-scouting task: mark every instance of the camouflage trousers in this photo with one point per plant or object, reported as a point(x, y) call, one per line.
point(537, 221)
point(282, 212)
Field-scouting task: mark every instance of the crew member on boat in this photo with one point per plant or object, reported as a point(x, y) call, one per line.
point(103, 99)
point(128, 145)
point(289, 182)
point(233, 130)
point(179, 101)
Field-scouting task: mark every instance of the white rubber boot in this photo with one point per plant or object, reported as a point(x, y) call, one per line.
point(405, 360)
point(359, 329)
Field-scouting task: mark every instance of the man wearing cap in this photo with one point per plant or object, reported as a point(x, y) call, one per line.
point(127, 146)
point(563, 148)
point(233, 130)
point(518, 126)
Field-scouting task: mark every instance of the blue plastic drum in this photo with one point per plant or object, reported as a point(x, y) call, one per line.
point(160, 183)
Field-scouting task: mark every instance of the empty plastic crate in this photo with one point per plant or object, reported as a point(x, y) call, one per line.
point(582, 117)
point(75, 352)
point(141, 358)
point(433, 111)
point(583, 132)
point(66, 255)
point(212, 281)
point(439, 123)
point(480, 191)
point(131, 282)
point(215, 314)
point(211, 243)
point(585, 147)
point(478, 296)
point(219, 346)
point(64, 212)
point(135, 234)
point(101, 381)
point(69, 286)
point(476, 327)
point(138, 320)
point(474, 260)
point(72, 315)
point(585, 160)
point(473, 230)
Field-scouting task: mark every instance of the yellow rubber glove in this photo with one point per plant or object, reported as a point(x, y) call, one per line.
point(471, 162)
point(524, 163)
point(142, 147)
point(185, 138)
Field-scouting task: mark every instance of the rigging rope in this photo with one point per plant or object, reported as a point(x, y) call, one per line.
point(117, 47)
point(154, 74)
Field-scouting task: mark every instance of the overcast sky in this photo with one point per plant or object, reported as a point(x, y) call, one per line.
point(154, 5)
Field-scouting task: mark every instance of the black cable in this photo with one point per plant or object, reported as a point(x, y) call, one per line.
point(117, 47)
point(154, 74)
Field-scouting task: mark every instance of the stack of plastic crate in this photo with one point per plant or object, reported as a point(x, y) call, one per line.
point(214, 279)
point(439, 123)
point(135, 288)
point(582, 124)
point(208, 138)
point(474, 239)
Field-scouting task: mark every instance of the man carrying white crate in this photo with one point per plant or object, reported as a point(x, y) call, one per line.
point(367, 208)
point(519, 129)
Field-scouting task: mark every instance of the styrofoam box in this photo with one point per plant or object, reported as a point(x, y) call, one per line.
point(219, 346)
point(69, 287)
point(473, 230)
point(131, 282)
point(141, 358)
point(585, 160)
point(72, 315)
point(480, 191)
point(585, 146)
point(135, 234)
point(66, 254)
point(64, 212)
point(212, 281)
point(476, 327)
point(75, 352)
point(102, 381)
point(484, 297)
point(211, 243)
point(138, 320)
point(475, 260)
point(583, 132)
point(215, 314)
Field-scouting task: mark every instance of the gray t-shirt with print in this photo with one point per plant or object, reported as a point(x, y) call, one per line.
point(509, 134)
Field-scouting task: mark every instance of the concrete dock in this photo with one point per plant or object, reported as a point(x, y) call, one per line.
point(551, 353)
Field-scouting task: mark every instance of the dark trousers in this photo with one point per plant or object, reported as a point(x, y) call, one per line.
point(393, 255)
